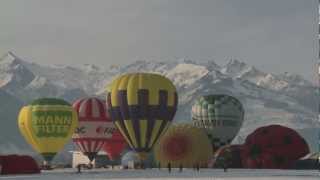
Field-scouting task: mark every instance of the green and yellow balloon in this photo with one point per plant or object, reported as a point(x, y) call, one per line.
point(47, 124)
point(142, 105)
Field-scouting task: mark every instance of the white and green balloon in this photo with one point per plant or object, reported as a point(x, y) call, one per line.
point(220, 115)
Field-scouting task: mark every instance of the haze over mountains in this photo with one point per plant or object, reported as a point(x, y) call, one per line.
point(286, 99)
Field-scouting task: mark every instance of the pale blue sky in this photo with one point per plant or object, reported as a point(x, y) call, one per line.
point(273, 35)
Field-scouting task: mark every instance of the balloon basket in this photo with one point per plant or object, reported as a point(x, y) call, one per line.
point(90, 166)
point(46, 166)
point(142, 156)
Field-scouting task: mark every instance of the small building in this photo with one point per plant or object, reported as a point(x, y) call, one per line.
point(101, 160)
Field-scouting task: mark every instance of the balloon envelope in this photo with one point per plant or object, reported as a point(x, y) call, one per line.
point(220, 115)
point(115, 145)
point(227, 156)
point(47, 124)
point(273, 146)
point(142, 105)
point(94, 126)
point(183, 145)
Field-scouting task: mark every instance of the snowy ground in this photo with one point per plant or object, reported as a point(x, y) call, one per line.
point(155, 174)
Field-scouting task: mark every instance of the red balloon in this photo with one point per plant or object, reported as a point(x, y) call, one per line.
point(273, 146)
point(18, 164)
point(115, 145)
point(228, 156)
point(267, 161)
point(251, 163)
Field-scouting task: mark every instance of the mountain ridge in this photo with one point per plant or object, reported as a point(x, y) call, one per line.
point(286, 99)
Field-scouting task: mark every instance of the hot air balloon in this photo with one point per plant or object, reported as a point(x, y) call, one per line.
point(228, 156)
point(47, 124)
point(94, 126)
point(115, 145)
point(183, 145)
point(142, 105)
point(220, 115)
point(273, 146)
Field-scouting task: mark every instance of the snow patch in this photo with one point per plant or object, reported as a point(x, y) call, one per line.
point(272, 82)
point(184, 75)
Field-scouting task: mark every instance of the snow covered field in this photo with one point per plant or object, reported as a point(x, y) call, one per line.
point(216, 174)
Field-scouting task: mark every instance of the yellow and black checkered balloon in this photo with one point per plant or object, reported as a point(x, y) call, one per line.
point(142, 105)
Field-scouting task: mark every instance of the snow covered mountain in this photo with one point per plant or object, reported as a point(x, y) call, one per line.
point(13, 74)
point(285, 99)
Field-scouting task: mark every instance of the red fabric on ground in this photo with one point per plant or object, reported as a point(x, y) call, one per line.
point(16, 164)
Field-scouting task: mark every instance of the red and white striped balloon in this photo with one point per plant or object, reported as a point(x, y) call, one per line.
point(94, 126)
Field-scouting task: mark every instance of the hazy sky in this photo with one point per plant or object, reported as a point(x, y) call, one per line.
point(273, 35)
